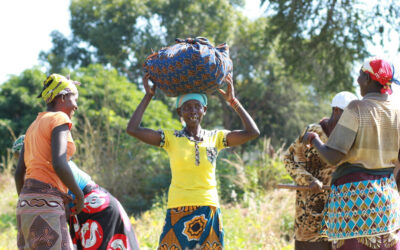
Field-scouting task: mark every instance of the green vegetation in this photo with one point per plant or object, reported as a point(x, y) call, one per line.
point(255, 216)
point(106, 102)
point(261, 222)
point(287, 66)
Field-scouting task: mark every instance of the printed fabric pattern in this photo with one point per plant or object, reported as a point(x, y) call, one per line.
point(304, 166)
point(41, 219)
point(190, 66)
point(102, 224)
point(192, 227)
point(362, 208)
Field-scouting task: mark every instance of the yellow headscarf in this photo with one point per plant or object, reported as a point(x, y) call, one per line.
point(55, 85)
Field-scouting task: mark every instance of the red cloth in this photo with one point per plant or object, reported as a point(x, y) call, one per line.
point(380, 71)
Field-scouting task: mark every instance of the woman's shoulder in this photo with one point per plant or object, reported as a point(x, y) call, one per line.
point(356, 107)
point(54, 115)
point(55, 119)
point(167, 131)
point(61, 116)
point(356, 104)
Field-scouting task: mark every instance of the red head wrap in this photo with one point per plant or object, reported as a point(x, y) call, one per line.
point(381, 71)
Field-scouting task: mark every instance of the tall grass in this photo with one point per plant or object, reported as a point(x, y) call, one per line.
point(132, 171)
point(266, 222)
point(8, 203)
point(254, 215)
point(251, 173)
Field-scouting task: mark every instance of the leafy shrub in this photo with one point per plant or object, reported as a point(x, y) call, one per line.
point(248, 174)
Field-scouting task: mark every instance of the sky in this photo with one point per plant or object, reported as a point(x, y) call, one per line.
point(25, 27)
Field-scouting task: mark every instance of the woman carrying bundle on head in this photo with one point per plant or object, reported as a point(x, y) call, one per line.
point(193, 218)
point(363, 209)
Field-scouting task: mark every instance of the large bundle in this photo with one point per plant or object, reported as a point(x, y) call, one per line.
point(191, 65)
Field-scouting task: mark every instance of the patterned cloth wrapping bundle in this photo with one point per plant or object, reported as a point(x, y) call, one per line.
point(191, 65)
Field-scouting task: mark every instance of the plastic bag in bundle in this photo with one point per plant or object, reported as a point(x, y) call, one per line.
point(189, 66)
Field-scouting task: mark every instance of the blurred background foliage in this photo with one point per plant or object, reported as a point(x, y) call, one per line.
point(287, 66)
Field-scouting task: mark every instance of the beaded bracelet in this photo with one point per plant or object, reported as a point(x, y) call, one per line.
point(235, 103)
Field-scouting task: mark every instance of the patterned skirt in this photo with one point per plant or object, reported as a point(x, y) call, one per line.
point(41, 217)
point(102, 224)
point(192, 227)
point(363, 208)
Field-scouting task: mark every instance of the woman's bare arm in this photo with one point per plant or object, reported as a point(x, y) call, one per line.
point(19, 175)
point(329, 155)
point(250, 130)
point(134, 129)
point(60, 164)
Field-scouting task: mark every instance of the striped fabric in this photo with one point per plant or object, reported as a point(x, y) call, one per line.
point(368, 133)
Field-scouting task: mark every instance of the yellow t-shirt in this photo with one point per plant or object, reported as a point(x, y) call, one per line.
point(193, 167)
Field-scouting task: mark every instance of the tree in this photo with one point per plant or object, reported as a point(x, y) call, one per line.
point(106, 102)
point(320, 40)
point(288, 63)
point(116, 160)
point(66, 53)
point(280, 103)
point(123, 33)
point(19, 105)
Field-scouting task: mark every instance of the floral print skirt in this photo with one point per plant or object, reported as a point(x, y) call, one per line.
point(102, 224)
point(192, 227)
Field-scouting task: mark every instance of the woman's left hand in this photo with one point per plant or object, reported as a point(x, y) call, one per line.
point(229, 95)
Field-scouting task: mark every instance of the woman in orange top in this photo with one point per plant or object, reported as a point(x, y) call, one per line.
point(43, 175)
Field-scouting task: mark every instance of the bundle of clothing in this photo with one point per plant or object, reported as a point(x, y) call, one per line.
point(190, 65)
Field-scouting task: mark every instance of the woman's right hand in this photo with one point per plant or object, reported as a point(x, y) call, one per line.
point(316, 186)
point(79, 204)
point(229, 94)
point(308, 138)
point(149, 90)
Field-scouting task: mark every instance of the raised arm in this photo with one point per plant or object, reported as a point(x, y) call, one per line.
point(60, 164)
point(20, 171)
point(250, 129)
point(134, 129)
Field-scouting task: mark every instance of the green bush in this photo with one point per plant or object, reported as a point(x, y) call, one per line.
point(250, 173)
